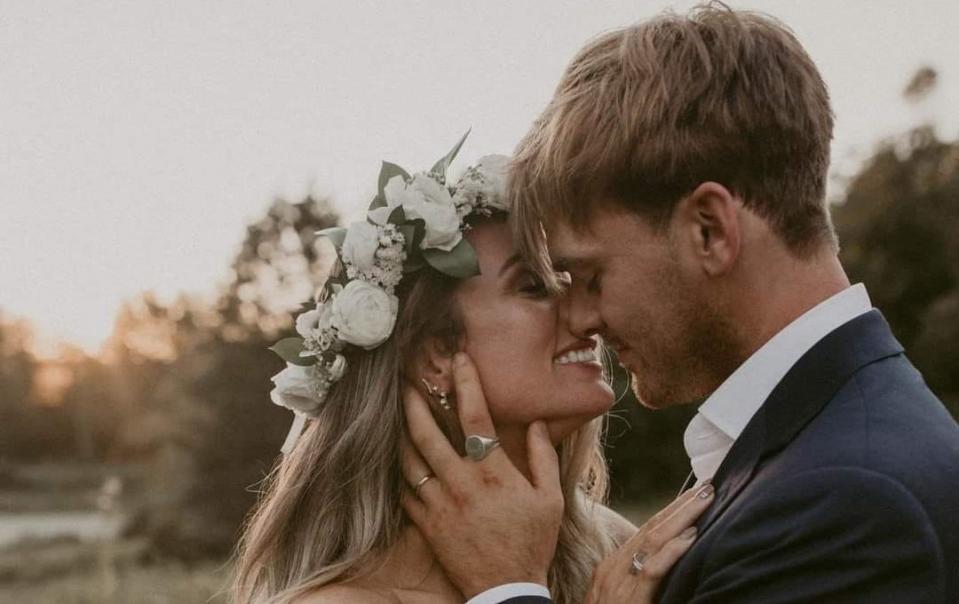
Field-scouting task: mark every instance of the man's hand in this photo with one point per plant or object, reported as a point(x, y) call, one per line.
point(487, 523)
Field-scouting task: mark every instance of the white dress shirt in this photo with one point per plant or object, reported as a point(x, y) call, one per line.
point(510, 590)
point(721, 419)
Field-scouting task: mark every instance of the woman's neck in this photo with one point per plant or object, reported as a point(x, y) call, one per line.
point(411, 566)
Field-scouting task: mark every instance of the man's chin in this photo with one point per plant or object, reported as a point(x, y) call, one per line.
point(658, 400)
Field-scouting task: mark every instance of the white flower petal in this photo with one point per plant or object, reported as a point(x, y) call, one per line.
point(364, 314)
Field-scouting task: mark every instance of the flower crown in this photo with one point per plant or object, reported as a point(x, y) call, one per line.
point(413, 222)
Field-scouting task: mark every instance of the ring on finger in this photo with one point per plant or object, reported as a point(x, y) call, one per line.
point(478, 447)
point(422, 481)
point(639, 559)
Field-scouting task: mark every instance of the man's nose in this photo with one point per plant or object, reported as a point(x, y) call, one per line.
point(581, 313)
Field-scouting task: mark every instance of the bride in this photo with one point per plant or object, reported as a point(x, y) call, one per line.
point(431, 272)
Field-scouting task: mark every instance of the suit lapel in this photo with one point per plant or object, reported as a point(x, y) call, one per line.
point(797, 399)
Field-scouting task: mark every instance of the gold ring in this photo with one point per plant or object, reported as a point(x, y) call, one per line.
point(424, 480)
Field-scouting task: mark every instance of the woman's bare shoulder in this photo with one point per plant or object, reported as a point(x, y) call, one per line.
point(615, 525)
point(346, 594)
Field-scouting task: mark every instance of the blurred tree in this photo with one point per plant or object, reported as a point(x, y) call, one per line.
point(277, 268)
point(210, 430)
point(921, 84)
point(898, 226)
point(21, 421)
point(647, 460)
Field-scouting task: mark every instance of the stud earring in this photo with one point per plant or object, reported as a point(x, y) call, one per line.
point(435, 393)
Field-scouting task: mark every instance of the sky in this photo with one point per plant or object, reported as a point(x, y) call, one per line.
point(137, 139)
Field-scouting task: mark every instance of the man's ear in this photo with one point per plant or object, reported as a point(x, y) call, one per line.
point(707, 223)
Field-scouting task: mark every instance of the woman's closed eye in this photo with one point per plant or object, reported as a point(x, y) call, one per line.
point(531, 285)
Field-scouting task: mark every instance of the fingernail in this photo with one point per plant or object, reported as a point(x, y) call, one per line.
point(705, 492)
point(459, 359)
point(689, 533)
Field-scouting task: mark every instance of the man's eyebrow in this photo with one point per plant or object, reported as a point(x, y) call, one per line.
point(509, 263)
point(563, 264)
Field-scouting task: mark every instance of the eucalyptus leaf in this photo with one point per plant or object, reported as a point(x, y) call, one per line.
point(419, 233)
point(443, 164)
point(387, 171)
point(397, 216)
point(409, 236)
point(336, 235)
point(460, 262)
point(414, 264)
point(289, 350)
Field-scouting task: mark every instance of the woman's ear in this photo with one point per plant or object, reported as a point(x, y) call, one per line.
point(434, 378)
point(435, 366)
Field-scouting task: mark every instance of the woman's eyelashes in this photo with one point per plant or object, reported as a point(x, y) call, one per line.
point(531, 285)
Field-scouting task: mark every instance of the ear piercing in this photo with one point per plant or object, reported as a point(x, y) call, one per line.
point(434, 392)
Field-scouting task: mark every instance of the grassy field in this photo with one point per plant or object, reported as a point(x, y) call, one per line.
point(68, 570)
point(71, 570)
point(75, 573)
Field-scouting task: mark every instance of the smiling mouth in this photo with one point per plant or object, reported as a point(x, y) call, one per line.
point(583, 355)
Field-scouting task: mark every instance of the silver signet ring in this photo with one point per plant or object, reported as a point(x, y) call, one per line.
point(478, 447)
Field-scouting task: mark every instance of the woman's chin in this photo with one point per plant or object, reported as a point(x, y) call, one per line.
point(562, 427)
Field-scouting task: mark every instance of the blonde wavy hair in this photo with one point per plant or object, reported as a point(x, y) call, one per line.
point(330, 511)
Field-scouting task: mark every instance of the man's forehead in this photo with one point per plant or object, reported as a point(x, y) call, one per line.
point(569, 246)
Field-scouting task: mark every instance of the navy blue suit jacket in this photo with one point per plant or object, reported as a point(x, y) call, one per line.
point(844, 487)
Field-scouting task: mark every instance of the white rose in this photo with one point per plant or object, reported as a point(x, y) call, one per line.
point(359, 246)
point(494, 169)
point(299, 389)
point(364, 314)
point(318, 319)
point(428, 200)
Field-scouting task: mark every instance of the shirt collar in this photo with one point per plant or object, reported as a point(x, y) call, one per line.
point(737, 399)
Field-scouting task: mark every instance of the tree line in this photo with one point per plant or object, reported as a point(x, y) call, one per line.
point(182, 387)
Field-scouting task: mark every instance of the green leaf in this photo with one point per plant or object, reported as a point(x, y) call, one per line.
point(336, 235)
point(289, 350)
point(397, 216)
point(443, 164)
point(419, 233)
point(409, 235)
point(413, 233)
point(387, 171)
point(460, 262)
point(413, 265)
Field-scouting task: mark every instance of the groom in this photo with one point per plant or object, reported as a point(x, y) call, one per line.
point(678, 176)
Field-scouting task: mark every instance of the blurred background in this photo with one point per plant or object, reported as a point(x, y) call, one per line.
point(163, 167)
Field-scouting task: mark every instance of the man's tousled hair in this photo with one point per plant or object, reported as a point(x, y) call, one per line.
point(644, 114)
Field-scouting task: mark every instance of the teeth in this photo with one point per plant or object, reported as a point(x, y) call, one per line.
point(577, 356)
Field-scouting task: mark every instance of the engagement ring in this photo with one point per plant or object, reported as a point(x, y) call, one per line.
point(638, 565)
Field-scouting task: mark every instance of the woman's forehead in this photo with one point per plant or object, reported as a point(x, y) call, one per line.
point(494, 245)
